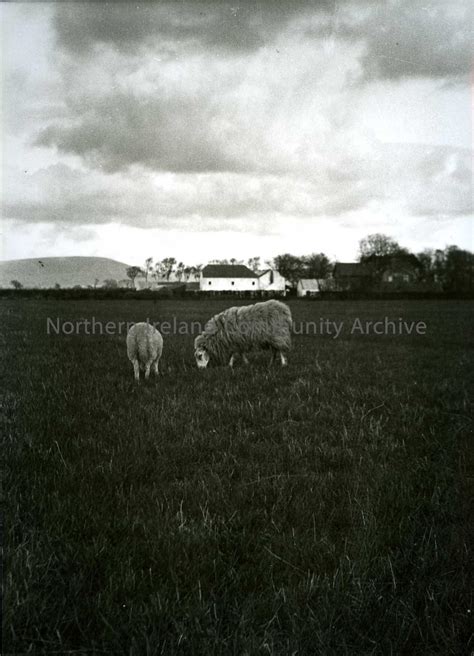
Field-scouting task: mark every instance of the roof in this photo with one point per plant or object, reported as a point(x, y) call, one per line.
point(227, 271)
point(262, 272)
point(400, 268)
point(309, 284)
point(351, 269)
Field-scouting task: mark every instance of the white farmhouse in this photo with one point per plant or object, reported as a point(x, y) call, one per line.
point(228, 278)
point(307, 287)
point(271, 280)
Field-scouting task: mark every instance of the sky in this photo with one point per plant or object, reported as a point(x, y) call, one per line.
point(211, 130)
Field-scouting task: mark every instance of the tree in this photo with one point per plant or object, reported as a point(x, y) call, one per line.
point(290, 266)
point(110, 283)
point(317, 265)
point(57, 286)
point(16, 284)
point(196, 270)
point(378, 245)
point(133, 272)
point(159, 271)
point(167, 265)
point(426, 265)
point(439, 266)
point(180, 270)
point(458, 270)
point(254, 263)
point(148, 267)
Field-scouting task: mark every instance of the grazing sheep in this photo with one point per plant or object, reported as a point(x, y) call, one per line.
point(144, 348)
point(237, 330)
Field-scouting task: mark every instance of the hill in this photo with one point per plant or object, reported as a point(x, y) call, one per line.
point(65, 271)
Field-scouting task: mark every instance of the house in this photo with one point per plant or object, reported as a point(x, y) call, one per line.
point(391, 272)
point(307, 287)
point(397, 275)
point(327, 285)
point(400, 272)
point(228, 278)
point(271, 281)
point(352, 276)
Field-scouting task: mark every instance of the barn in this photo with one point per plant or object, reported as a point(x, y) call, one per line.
point(228, 278)
point(271, 281)
point(307, 287)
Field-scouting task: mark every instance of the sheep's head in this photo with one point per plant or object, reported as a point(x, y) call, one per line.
point(202, 357)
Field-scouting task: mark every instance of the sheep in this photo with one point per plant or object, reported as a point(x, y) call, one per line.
point(144, 348)
point(237, 330)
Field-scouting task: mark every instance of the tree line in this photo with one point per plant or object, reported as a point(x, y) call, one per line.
point(452, 268)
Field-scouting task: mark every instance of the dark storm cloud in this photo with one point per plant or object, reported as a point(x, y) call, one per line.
point(402, 38)
point(233, 26)
point(412, 39)
point(182, 124)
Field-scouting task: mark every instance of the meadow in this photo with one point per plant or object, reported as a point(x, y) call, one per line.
point(320, 508)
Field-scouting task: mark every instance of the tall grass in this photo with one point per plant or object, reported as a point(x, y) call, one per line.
point(317, 509)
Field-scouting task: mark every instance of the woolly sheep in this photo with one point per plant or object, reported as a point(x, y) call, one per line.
point(144, 348)
point(237, 330)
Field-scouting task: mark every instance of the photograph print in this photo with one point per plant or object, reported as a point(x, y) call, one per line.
point(236, 302)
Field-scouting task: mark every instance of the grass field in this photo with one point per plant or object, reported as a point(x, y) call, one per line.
point(317, 509)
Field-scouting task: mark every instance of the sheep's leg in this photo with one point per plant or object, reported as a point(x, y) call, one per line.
point(136, 370)
point(147, 370)
point(156, 371)
point(284, 360)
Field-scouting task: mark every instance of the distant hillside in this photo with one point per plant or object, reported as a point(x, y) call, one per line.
point(66, 271)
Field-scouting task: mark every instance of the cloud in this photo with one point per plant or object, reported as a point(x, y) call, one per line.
point(219, 25)
point(242, 117)
point(143, 199)
point(401, 38)
point(412, 180)
point(163, 134)
point(406, 39)
point(257, 113)
point(210, 87)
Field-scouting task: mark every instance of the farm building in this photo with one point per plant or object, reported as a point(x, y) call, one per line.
point(228, 278)
point(402, 270)
point(398, 275)
point(307, 287)
point(218, 278)
point(271, 280)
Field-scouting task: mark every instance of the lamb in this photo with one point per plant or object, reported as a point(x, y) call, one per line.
point(144, 348)
point(237, 330)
